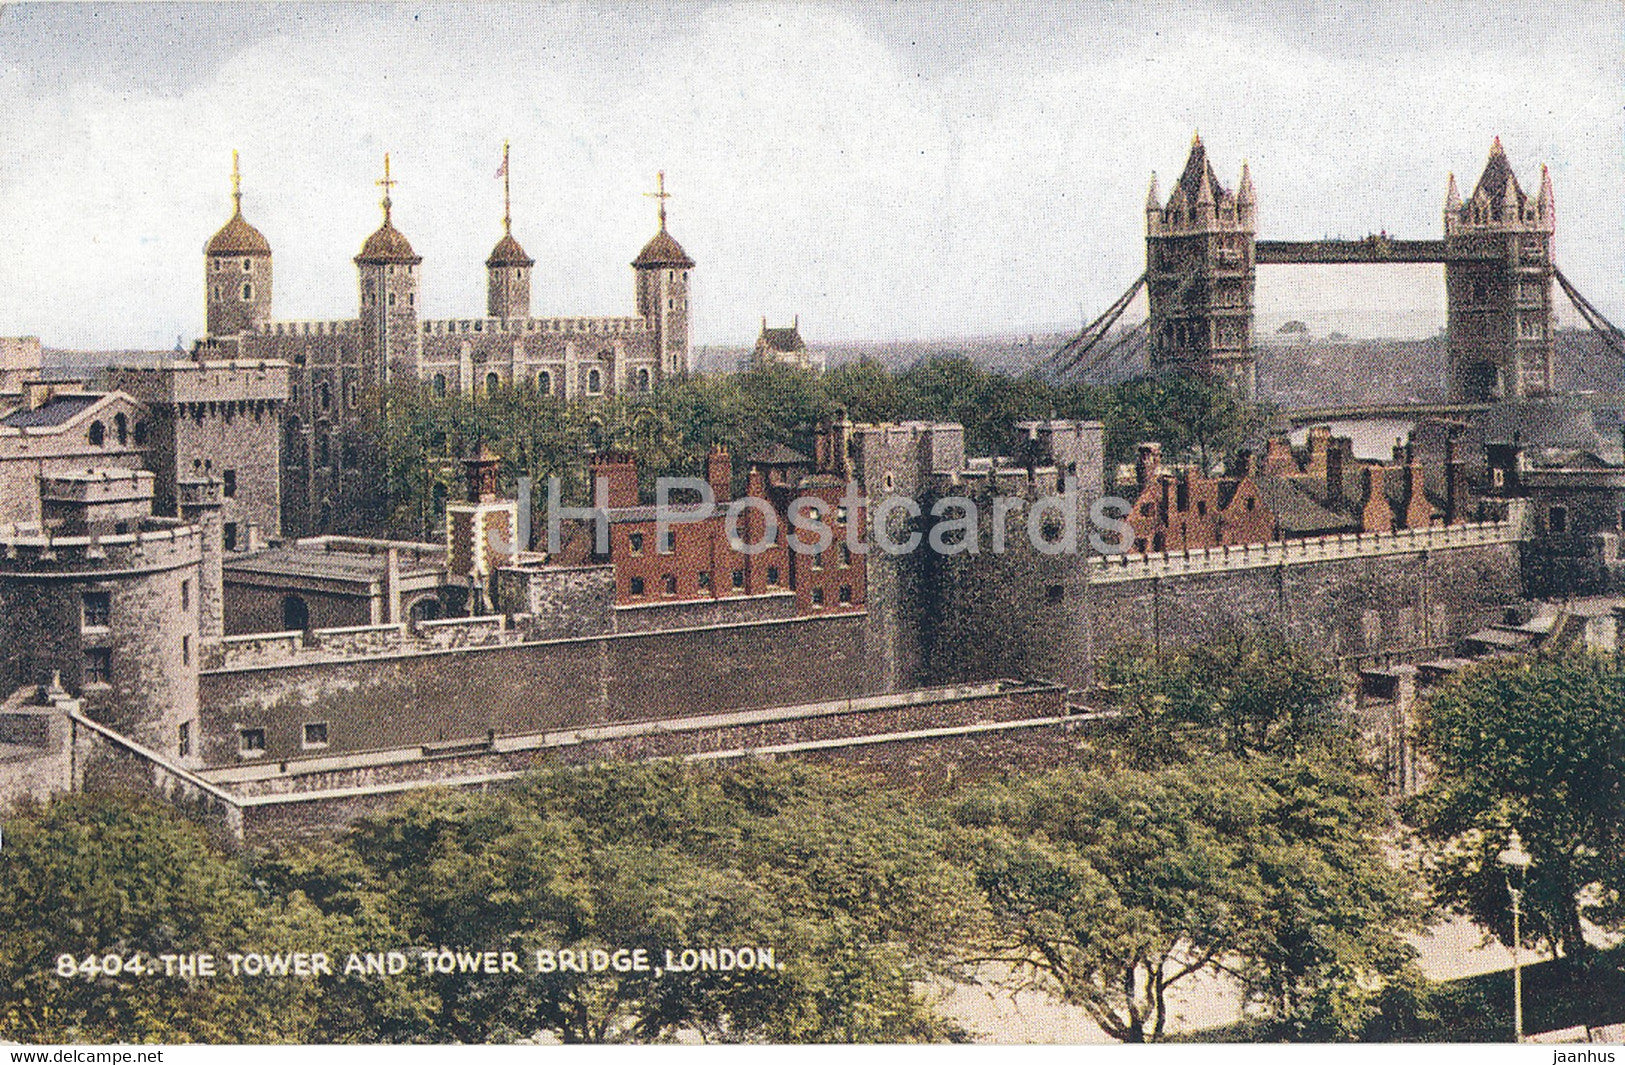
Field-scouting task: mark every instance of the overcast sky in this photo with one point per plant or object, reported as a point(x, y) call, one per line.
point(884, 171)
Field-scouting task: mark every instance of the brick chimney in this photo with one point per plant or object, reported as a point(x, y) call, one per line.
point(1333, 465)
point(719, 474)
point(1376, 516)
point(1148, 464)
point(1419, 513)
point(1246, 463)
point(1278, 458)
point(1455, 482)
point(620, 470)
point(1320, 440)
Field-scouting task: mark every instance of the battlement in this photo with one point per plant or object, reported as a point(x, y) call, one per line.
point(331, 327)
point(596, 326)
point(1108, 569)
point(204, 381)
point(294, 647)
point(161, 543)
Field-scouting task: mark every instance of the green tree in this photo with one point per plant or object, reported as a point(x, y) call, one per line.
point(1242, 693)
point(1113, 890)
point(1537, 745)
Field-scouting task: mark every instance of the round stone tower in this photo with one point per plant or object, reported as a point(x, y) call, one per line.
point(107, 598)
point(388, 269)
point(661, 269)
point(507, 271)
point(236, 271)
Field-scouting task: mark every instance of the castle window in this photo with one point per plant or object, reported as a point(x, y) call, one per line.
point(121, 428)
point(186, 595)
point(98, 434)
point(350, 395)
point(411, 299)
point(703, 580)
point(544, 383)
point(670, 584)
point(218, 263)
point(668, 541)
point(217, 296)
point(818, 597)
point(389, 299)
point(248, 292)
point(324, 452)
point(230, 537)
point(248, 265)
point(846, 555)
point(773, 576)
point(97, 610)
point(250, 742)
point(1201, 507)
point(229, 480)
point(1054, 594)
point(1251, 502)
point(492, 381)
point(140, 433)
point(846, 593)
point(440, 385)
point(98, 666)
point(739, 574)
point(643, 380)
point(636, 542)
point(595, 382)
point(315, 734)
point(1558, 519)
point(186, 649)
point(326, 394)
point(637, 586)
point(183, 743)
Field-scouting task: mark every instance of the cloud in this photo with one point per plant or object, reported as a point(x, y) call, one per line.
point(884, 173)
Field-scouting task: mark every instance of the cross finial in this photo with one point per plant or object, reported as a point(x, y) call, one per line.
point(236, 183)
point(507, 205)
point(386, 182)
point(662, 195)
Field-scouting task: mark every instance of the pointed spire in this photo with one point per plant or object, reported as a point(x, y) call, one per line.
point(386, 182)
point(1244, 189)
point(1546, 203)
point(1153, 198)
point(1204, 190)
point(1452, 195)
point(236, 185)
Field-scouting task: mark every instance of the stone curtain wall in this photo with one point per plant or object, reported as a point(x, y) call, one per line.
point(386, 701)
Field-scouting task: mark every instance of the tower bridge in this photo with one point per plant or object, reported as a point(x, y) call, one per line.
point(1202, 255)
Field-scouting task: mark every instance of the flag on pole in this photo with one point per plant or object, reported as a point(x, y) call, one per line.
point(502, 171)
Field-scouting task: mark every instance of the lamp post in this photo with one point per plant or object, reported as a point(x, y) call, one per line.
point(1514, 857)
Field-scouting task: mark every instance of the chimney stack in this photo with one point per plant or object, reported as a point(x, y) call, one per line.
point(1376, 516)
point(1334, 471)
point(1148, 464)
point(719, 474)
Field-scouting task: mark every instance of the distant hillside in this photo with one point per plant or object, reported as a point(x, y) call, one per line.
point(1292, 372)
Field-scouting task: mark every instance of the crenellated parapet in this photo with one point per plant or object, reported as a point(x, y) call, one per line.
point(595, 325)
point(30, 550)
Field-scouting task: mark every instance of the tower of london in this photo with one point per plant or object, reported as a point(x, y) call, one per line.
point(340, 369)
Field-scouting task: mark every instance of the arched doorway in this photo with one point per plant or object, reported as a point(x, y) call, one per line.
point(295, 614)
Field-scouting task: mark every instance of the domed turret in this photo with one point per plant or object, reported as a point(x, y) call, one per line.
point(388, 269)
point(507, 271)
point(661, 270)
point(236, 271)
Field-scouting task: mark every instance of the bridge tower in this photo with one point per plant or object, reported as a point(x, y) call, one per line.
point(1498, 279)
point(1200, 272)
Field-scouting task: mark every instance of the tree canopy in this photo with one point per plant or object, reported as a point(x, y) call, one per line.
point(1537, 745)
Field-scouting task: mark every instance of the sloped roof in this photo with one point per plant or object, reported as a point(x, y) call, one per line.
point(779, 455)
point(59, 410)
point(509, 253)
point(388, 245)
point(783, 339)
point(662, 250)
point(237, 237)
point(1493, 182)
point(1296, 512)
